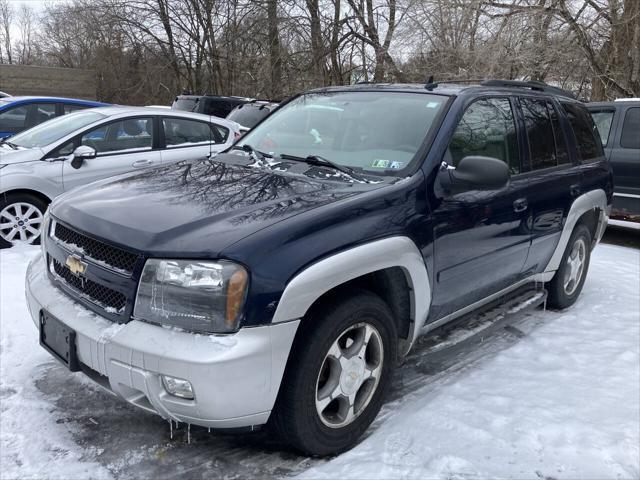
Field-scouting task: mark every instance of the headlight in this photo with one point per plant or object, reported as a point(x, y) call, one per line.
point(197, 296)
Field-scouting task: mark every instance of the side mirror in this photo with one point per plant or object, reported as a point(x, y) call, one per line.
point(82, 153)
point(474, 173)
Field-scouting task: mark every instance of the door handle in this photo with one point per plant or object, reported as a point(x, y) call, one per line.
point(520, 205)
point(141, 163)
point(575, 190)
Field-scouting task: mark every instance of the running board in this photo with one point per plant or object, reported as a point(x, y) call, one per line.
point(476, 326)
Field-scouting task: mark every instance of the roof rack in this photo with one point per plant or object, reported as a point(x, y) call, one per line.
point(531, 84)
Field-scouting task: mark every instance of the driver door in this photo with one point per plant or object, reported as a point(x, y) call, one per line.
point(481, 236)
point(121, 146)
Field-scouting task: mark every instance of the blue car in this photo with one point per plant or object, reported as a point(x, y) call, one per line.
point(20, 113)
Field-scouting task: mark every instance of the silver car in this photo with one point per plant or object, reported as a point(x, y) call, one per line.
point(63, 153)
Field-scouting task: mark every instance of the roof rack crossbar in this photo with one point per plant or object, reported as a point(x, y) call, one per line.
point(531, 84)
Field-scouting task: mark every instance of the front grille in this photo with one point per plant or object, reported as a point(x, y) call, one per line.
point(112, 256)
point(99, 294)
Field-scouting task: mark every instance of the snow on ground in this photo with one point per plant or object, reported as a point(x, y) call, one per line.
point(32, 444)
point(556, 397)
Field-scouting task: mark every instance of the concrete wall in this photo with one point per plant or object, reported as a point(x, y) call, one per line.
point(48, 81)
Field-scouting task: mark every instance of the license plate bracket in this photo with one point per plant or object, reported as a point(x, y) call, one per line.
point(59, 340)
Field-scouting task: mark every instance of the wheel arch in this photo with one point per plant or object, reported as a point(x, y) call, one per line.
point(590, 209)
point(391, 267)
point(27, 191)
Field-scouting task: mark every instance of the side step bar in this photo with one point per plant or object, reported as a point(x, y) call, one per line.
point(475, 327)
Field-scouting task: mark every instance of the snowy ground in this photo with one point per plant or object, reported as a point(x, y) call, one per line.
point(558, 396)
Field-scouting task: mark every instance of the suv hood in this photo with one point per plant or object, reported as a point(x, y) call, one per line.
point(195, 209)
point(10, 156)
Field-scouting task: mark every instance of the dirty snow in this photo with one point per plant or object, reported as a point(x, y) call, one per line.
point(558, 396)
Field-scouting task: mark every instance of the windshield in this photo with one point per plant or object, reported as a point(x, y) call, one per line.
point(185, 104)
point(249, 115)
point(53, 130)
point(377, 132)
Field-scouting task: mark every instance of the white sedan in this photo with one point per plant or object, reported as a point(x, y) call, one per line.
point(56, 156)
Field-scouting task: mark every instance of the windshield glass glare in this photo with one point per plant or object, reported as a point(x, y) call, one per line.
point(53, 130)
point(378, 132)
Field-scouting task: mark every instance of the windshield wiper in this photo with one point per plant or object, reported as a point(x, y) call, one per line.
point(324, 162)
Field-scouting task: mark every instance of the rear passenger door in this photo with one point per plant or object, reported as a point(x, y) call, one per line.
point(121, 146)
point(481, 237)
point(189, 139)
point(555, 180)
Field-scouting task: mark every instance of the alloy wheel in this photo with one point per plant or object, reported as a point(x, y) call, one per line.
point(349, 375)
point(575, 266)
point(20, 222)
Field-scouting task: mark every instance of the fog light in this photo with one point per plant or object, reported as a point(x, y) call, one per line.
point(177, 387)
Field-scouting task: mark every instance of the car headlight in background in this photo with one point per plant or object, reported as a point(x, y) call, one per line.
point(197, 296)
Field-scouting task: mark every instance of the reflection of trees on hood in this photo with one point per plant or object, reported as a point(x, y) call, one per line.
point(218, 187)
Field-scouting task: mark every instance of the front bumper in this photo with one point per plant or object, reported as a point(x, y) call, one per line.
point(235, 378)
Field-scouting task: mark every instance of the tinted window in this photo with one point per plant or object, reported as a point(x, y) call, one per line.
point(14, 119)
point(585, 132)
point(562, 152)
point(630, 137)
point(43, 112)
point(68, 108)
point(132, 134)
point(249, 115)
point(181, 131)
point(542, 147)
point(487, 129)
point(603, 124)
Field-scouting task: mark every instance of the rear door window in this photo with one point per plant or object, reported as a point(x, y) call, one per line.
point(185, 132)
point(562, 152)
point(630, 137)
point(585, 132)
point(603, 122)
point(540, 133)
point(487, 129)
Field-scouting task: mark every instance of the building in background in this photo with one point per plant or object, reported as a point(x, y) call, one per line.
point(48, 81)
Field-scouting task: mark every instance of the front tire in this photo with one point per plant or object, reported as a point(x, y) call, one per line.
point(21, 217)
point(339, 372)
point(568, 281)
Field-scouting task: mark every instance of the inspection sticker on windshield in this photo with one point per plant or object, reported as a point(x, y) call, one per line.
point(381, 163)
point(432, 105)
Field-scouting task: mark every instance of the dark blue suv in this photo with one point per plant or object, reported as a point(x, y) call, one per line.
point(281, 282)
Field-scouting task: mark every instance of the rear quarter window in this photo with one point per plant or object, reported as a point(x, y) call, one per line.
point(585, 132)
point(630, 137)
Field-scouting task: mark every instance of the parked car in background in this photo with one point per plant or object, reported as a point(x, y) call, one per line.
point(3, 95)
point(619, 127)
point(216, 105)
point(280, 283)
point(49, 159)
point(248, 115)
point(21, 113)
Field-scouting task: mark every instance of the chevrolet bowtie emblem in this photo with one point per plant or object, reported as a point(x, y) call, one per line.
point(76, 265)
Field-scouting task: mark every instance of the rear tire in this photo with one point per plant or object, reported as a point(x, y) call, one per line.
point(21, 217)
point(338, 375)
point(568, 281)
